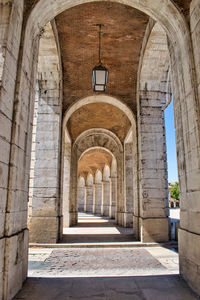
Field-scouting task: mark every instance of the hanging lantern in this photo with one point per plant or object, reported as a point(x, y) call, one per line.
point(99, 73)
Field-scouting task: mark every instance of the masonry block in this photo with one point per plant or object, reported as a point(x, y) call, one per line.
point(154, 230)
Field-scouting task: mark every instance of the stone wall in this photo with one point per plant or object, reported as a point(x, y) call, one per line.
point(128, 181)
point(152, 170)
point(81, 193)
point(13, 180)
point(98, 191)
point(189, 167)
point(153, 193)
point(44, 221)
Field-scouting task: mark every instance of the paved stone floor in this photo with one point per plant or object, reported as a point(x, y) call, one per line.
point(149, 273)
point(93, 229)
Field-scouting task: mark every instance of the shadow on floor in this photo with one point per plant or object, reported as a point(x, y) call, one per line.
point(96, 229)
point(170, 287)
point(100, 238)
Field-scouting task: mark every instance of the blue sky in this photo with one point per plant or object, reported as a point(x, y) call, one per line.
point(171, 145)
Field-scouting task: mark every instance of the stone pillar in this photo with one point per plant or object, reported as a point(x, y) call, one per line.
point(128, 180)
point(45, 220)
point(73, 204)
point(120, 191)
point(88, 206)
point(113, 197)
point(80, 197)
point(189, 165)
point(105, 198)
point(94, 199)
point(102, 198)
point(85, 199)
point(66, 183)
point(14, 164)
point(153, 220)
point(98, 191)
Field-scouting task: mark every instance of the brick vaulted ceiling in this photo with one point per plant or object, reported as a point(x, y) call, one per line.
point(98, 115)
point(94, 159)
point(122, 35)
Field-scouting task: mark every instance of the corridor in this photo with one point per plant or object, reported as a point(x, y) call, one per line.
point(96, 229)
point(97, 259)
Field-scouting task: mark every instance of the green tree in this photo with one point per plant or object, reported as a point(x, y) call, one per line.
point(175, 191)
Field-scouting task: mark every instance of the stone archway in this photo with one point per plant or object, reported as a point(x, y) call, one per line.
point(95, 138)
point(23, 90)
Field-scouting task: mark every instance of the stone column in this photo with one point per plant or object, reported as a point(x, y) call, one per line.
point(105, 198)
point(113, 197)
point(98, 191)
point(13, 155)
point(66, 183)
point(102, 198)
point(85, 198)
point(80, 197)
point(153, 220)
point(120, 191)
point(94, 199)
point(73, 204)
point(88, 206)
point(189, 162)
point(128, 164)
point(45, 221)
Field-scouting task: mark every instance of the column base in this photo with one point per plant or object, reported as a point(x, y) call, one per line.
point(102, 210)
point(73, 218)
point(112, 209)
point(105, 210)
point(98, 209)
point(94, 209)
point(136, 230)
point(89, 208)
point(120, 218)
point(154, 230)
point(128, 220)
point(66, 220)
point(189, 257)
point(44, 229)
point(16, 250)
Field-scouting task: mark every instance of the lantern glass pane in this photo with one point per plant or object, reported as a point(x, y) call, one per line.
point(100, 76)
point(99, 88)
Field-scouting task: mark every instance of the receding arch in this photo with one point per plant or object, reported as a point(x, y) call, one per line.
point(98, 132)
point(162, 10)
point(96, 148)
point(98, 99)
point(95, 138)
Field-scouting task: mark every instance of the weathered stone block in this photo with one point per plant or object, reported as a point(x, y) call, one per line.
point(3, 175)
point(128, 220)
point(47, 191)
point(189, 245)
point(15, 222)
point(16, 255)
point(5, 128)
point(2, 223)
point(45, 207)
point(44, 229)
point(154, 230)
point(2, 248)
point(5, 151)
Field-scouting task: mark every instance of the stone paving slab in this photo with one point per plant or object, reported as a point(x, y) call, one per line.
point(167, 287)
point(102, 262)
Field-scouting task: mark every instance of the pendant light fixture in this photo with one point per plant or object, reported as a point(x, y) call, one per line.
point(99, 73)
